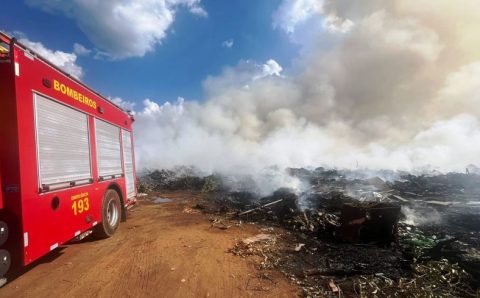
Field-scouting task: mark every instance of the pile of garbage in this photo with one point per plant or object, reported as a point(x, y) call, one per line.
point(352, 233)
point(179, 178)
point(361, 248)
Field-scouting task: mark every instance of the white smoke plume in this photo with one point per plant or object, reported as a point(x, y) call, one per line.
point(397, 86)
point(418, 216)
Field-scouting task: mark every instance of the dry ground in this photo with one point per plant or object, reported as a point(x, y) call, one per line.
point(161, 251)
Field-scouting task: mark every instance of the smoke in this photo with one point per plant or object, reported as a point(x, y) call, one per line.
point(421, 216)
point(397, 87)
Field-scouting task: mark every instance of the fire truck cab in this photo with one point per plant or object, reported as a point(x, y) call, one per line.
point(66, 158)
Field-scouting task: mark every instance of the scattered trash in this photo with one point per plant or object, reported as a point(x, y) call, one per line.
point(333, 286)
point(353, 234)
point(258, 208)
point(255, 245)
point(220, 224)
point(299, 246)
point(189, 210)
point(375, 222)
point(257, 238)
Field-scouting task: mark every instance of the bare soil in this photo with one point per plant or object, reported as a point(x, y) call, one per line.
point(163, 250)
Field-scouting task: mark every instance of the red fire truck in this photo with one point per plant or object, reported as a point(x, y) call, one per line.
point(66, 158)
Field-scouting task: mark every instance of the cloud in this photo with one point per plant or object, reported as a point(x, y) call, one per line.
point(270, 68)
point(242, 75)
point(292, 13)
point(65, 61)
point(198, 10)
point(80, 50)
point(227, 43)
point(124, 104)
point(120, 28)
point(398, 90)
point(305, 20)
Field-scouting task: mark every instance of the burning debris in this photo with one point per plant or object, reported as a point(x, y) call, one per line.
point(180, 178)
point(355, 235)
point(367, 223)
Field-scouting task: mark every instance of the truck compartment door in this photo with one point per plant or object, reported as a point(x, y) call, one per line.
point(128, 163)
point(109, 158)
point(63, 145)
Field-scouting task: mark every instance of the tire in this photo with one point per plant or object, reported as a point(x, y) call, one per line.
point(111, 215)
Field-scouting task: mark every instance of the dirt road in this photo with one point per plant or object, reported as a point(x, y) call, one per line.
point(161, 251)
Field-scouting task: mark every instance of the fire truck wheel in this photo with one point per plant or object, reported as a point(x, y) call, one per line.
point(111, 214)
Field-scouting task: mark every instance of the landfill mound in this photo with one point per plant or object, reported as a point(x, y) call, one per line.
point(352, 234)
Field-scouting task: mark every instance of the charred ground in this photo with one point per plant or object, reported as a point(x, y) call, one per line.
point(352, 233)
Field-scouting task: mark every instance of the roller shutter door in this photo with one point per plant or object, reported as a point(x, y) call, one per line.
point(63, 145)
point(128, 163)
point(109, 158)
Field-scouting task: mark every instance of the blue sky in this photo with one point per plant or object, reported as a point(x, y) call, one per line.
point(191, 50)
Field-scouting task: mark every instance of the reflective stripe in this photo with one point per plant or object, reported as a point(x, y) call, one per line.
point(25, 239)
point(77, 233)
point(17, 69)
